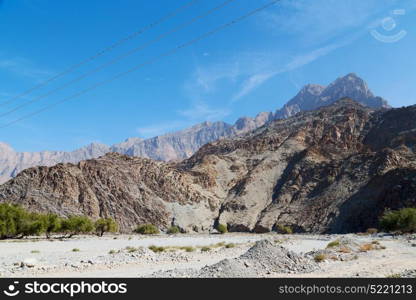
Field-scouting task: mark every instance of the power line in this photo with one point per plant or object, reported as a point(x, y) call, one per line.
point(103, 51)
point(120, 57)
point(149, 62)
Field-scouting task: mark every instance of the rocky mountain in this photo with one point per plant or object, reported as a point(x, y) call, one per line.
point(335, 169)
point(182, 144)
point(313, 96)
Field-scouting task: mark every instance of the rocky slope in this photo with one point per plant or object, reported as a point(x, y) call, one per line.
point(335, 169)
point(182, 144)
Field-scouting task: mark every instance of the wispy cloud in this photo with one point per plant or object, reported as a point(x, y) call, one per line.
point(256, 80)
point(322, 20)
point(23, 68)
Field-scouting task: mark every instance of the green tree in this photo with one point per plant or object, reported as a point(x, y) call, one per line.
point(13, 221)
point(105, 225)
point(147, 229)
point(75, 225)
point(173, 230)
point(51, 223)
point(403, 220)
point(32, 224)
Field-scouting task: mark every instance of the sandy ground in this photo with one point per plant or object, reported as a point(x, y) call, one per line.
point(42, 258)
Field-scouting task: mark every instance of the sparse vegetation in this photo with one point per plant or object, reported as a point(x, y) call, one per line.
point(105, 225)
point(76, 250)
point(147, 229)
point(403, 221)
point(35, 251)
point(112, 252)
point(157, 249)
point(188, 249)
point(205, 249)
point(230, 245)
point(173, 230)
point(222, 228)
point(282, 229)
point(130, 249)
point(333, 244)
point(320, 257)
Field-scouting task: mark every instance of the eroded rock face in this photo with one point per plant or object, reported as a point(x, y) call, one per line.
point(332, 170)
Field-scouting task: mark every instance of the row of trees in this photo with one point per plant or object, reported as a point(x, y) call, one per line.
point(16, 222)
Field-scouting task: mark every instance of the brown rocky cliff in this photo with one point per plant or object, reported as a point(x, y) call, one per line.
point(331, 170)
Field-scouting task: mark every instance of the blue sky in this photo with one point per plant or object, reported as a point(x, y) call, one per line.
point(256, 65)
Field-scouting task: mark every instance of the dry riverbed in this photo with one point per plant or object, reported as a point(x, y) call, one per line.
point(186, 255)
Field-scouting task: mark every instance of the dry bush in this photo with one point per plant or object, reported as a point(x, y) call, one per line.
point(344, 250)
point(366, 247)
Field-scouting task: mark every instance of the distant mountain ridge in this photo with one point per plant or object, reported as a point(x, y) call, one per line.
point(183, 144)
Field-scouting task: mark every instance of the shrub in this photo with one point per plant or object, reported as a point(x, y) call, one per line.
point(333, 244)
point(35, 251)
point(157, 249)
point(147, 229)
point(282, 229)
point(188, 248)
point(75, 250)
point(173, 230)
point(105, 225)
point(205, 249)
point(75, 225)
point(230, 245)
point(403, 220)
point(372, 230)
point(345, 250)
point(366, 247)
point(112, 252)
point(130, 249)
point(222, 228)
point(319, 257)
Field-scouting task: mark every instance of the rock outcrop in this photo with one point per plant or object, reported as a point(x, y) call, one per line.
point(335, 169)
point(183, 144)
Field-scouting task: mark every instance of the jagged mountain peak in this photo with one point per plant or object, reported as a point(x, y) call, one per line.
point(313, 96)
